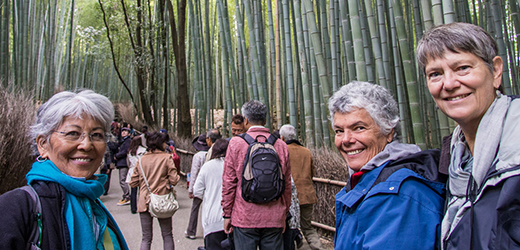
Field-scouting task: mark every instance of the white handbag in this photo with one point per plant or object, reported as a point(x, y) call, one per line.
point(160, 206)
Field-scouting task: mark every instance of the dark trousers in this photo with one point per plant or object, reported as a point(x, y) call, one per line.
point(288, 238)
point(212, 241)
point(106, 170)
point(251, 238)
point(194, 216)
point(133, 200)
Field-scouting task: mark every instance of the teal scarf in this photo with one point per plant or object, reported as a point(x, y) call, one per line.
point(86, 219)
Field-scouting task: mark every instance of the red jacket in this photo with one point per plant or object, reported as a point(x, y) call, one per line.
point(250, 215)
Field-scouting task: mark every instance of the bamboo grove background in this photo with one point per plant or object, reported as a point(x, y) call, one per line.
point(166, 57)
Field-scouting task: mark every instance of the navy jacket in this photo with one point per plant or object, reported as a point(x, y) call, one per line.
point(123, 152)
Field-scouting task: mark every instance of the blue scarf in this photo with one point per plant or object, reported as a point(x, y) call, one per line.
point(81, 209)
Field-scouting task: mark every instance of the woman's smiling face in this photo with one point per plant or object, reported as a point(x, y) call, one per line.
point(463, 86)
point(358, 138)
point(77, 158)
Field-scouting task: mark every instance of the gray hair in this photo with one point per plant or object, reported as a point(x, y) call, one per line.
point(255, 112)
point(288, 132)
point(71, 104)
point(213, 135)
point(376, 100)
point(456, 37)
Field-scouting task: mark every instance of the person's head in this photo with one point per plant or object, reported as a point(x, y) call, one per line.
point(288, 132)
point(134, 145)
point(463, 72)
point(365, 118)
point(237, 124)
point(212, 135)
point(164, 131)
point(70, 130)
point(125, 132)
point(144, 129)
point(255, 113)
point(219, 148)
point(157, 141)
point(199, 143)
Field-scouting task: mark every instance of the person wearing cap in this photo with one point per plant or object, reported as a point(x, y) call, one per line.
point(200, 144)
point(122, 165)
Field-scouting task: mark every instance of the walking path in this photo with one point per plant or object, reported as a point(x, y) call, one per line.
point(130, 224)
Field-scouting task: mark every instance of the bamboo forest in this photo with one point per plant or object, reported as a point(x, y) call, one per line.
point(168, 58)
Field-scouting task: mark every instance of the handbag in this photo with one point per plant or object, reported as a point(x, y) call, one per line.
point(160, 206)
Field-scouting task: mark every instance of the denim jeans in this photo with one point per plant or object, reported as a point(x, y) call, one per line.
point(264, 238)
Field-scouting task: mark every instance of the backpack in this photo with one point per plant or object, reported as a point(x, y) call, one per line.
point(262, 177)
point(35, 239)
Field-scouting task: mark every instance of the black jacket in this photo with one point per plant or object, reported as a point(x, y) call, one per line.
point(123, 152)
point(18, 217)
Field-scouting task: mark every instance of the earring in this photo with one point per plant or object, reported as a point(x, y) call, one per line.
point(102, 163)
point(499, 94)
point(40, 159)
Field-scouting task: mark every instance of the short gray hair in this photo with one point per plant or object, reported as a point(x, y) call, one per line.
point(255, 112)
point(456, 37)
point(79, 104)
point(213, 135)
point(376, 100)
point(288, 132)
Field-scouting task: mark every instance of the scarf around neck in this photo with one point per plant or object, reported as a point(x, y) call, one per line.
point(392, 151)
point(487, 141)
point(86, 220)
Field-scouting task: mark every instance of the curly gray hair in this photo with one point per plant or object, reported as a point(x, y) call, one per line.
point(71, 104)
point(376, 100)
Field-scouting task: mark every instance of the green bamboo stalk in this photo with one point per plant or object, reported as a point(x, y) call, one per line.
point(288, 62)
point(366, 43)
point(316, 42)
point(448, 11)
point(325, 39)
point(333, 46)
point(499, 37)
point(436, 7)
point(410, 77)
point(253, 92)
point(359, 55)
point(375, 44)
point(225, 63)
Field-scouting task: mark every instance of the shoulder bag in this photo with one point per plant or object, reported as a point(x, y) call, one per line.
point(160, 206)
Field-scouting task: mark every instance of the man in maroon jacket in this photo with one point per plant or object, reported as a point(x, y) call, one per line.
point(253, 224)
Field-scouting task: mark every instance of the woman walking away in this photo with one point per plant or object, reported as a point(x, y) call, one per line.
point(161, 174)
point(208, 187)
point(135, 152)
point(70, 138)
point(464, 74)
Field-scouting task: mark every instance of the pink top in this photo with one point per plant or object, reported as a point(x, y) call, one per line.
point(250, 215)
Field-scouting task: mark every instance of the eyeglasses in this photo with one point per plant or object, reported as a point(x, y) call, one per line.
point(75, 136)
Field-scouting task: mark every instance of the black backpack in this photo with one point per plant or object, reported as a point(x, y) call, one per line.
point(262, 178)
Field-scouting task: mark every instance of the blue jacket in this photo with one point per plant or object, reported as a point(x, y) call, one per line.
point(393, 206)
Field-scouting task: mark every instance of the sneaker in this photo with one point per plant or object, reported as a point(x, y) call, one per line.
point(123, 202)
point(191, 237)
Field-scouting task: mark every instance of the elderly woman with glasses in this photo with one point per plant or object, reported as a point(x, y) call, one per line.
point(393, 199)
point(464, 76)
point(70, 138)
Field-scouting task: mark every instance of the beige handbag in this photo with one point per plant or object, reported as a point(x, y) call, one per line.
point(160, 206)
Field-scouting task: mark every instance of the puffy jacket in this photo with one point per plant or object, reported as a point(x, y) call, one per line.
point(18, 218)
point(398, 205)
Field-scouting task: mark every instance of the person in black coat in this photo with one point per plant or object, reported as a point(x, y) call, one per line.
point(122, 165)
point(112, 149)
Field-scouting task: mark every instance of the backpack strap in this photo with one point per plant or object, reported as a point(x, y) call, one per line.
point(247, 138)
point(36, 232)
point(272, 139)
